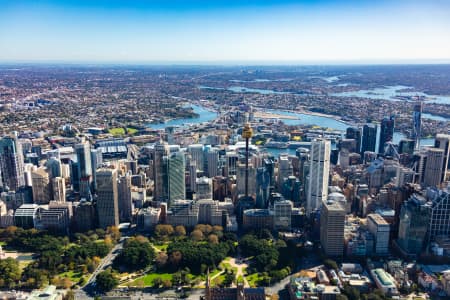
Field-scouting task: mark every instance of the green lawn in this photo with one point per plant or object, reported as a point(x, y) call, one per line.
point(161, 247)
point(253, 279)
point(149, 278)
point(72, 275)
point(118, 131)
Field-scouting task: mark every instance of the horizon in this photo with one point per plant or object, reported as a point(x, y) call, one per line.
point(225, 32)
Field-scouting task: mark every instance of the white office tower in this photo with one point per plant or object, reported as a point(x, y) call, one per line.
point(204, 188)
point(434, 167)
point(59, 189)
point(284, 170)
point(212, 159)
point(196, 152)
point(107, 198)
point(176, 178)
point(318, 174)
point(442, 141)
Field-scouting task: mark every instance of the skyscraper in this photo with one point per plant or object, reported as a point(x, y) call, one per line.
point(83, 151)
point(212, 159)
point(160, 192)
point(442, 141)
point(318, 174)
point(369, 138)
point(434, 167)
point(417, 123)
point(355, 134)
point(332, 223)
point(124, 198)
point(11, 163)
point(176, 178)
point(197, 155)
point(386, 132)
point(42, 192)
point(59, 189)
point(107, 198)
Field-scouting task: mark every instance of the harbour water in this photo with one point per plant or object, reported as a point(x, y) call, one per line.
point(205, 115)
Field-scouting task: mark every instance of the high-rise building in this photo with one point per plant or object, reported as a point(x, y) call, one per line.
point(284, 171)
point(124, 198)
point(417, 123)
point(107, 198)
point(282, 211)
point(59, 189)
point(413, 224)
point(355, 134)
point(176, 165)
point(380, 229)
point(319, 169)
point(240, 179)
point(160, 192)
point(369, 138)
point(212, 159)
point(11, 163)
point(439, 213)
point(54, 167)
point(84, 163)
point(197, 155)
point(433, 167)
point(204, 188)
point(442, 141)
point(42, 193)
point(262, 187)
point(332, 223)
point(96, 161)
point(386, 132)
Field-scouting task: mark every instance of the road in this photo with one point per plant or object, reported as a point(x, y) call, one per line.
point(86, 291)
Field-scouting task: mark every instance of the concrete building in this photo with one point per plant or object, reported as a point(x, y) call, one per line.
point(26, 216)
point(203, 188)
point(319, 170)
point(160, 192)
point(107, 198)
point(380, 229)
point(442, 141)
point(332, 223)
point(434, 167)
point(384, 281)
point(59, 189)
point(42, 192)
point(176, 177)
point(282, 211)
point(124, 198)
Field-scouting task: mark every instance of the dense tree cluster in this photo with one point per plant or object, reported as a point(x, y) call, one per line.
point(9, 273)
point(106, 280)
point(197, 256)
point(137, 254)
point(55, 255)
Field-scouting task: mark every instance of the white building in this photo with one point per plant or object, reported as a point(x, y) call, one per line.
point(318, 174)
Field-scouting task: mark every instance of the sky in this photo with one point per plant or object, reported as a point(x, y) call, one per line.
point(220, 31)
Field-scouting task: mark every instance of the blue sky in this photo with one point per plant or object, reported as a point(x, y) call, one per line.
point(225, 31)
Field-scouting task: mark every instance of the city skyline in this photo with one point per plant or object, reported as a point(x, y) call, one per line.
point(225, 32)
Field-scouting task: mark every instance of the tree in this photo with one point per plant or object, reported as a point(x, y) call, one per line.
point(136, 254)
point(161, 260)
point(163, 230)
point(180, 230)
point(106, 280)
point(213, 239)
point(114, 232)
point(197, 235)
point(9, 273)
point(330, 264)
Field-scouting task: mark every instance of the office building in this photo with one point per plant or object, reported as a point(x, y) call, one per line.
point(11, 163)
point(42, 190)
point(197, 155)
point(354, 134)
point(439, 213)
point(380, 229)
point(319, 169)
point(433, 167)
point(124, 198)
point(84, 216)
point(413, 224)
point(176, 177)
point(203, 188)
point(212, 159)
point(160, 192)
point(386, 133)
point(417, 124)
point(369, 138)
point(26, 216)
point(282, 211)
point(107, 198)
point(442, 141)
point(59, 189)
point(332, 223)
point(284, 171)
